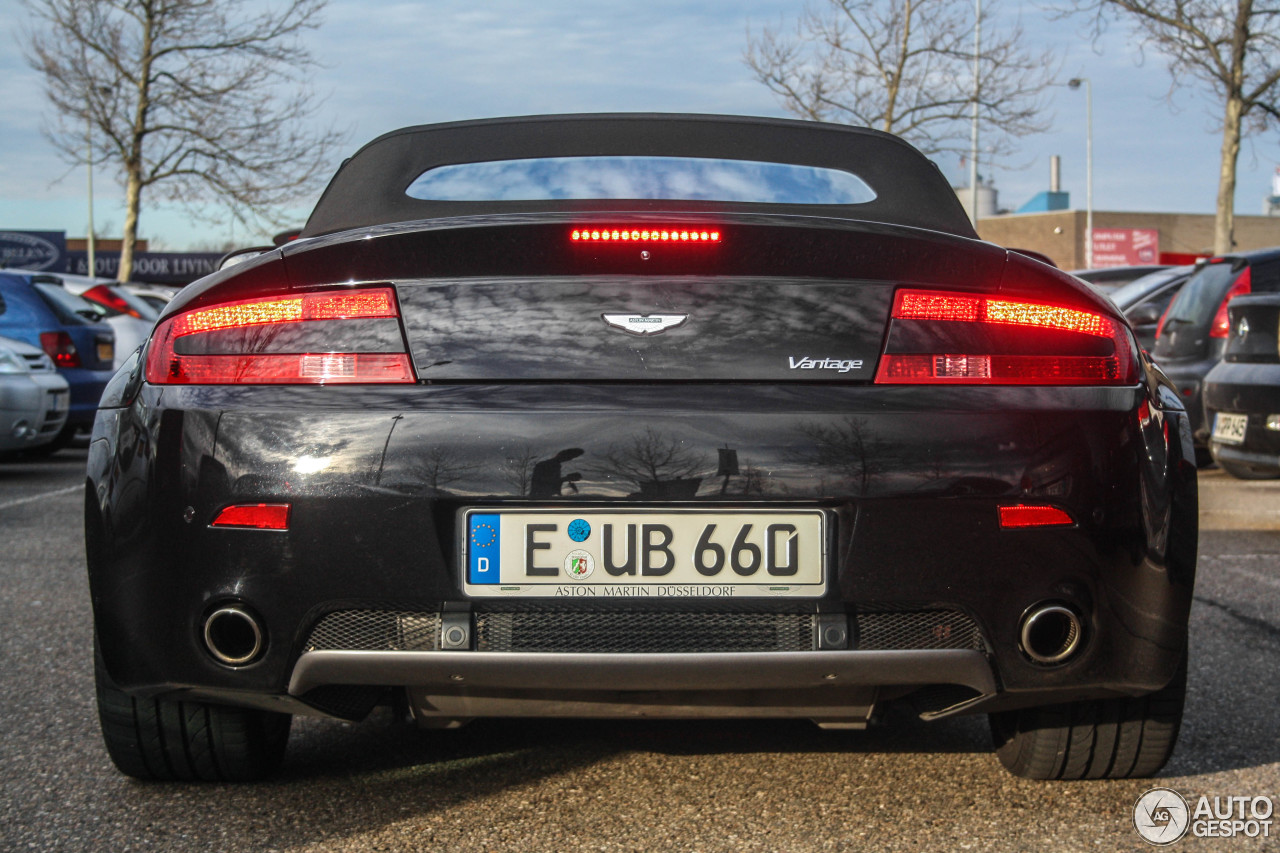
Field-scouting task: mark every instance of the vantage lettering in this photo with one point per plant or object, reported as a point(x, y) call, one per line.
point(842, 365)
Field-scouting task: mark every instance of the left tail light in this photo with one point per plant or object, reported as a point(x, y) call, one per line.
point(316, 338)
point(942, 337)
point(59, 347)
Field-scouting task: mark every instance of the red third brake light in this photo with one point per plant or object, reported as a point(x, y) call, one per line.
point(647, 234)
point(1017, 343)
point(202, 346)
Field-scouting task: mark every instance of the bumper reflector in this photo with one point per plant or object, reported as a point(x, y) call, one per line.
point(1026, 515)
point(260, 516)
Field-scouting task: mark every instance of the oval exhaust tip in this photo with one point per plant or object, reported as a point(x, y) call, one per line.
point(233, 636)
point(1051, 633)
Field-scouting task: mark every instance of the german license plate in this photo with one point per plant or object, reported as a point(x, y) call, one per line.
point(685, 553)
point(59, 401)
point(1229, 429)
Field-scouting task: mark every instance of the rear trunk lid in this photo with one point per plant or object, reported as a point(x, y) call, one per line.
point(777, 298)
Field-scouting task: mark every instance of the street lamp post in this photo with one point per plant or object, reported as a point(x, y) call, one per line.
point(104, 91)
point(88, 139)
point(1074, 83)
point(977, 90)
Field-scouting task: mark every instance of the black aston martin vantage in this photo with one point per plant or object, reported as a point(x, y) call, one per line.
point(640, 415)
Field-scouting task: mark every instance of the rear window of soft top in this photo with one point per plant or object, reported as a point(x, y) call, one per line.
point(640, 177)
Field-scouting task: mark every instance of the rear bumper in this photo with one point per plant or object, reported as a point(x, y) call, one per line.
point(376, 488)
point(1248, 389)
point(27, 407)
point(525, 671)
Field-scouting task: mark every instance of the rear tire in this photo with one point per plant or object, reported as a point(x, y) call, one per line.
point(162, 739)
point(1098, 739)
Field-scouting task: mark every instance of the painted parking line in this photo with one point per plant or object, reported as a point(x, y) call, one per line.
point(33, 498)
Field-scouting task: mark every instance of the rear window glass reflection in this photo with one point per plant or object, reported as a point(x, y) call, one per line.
point(670, 178)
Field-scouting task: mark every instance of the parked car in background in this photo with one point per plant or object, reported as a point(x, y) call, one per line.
point(157, 296)
point(1145, 299)
point(1242, 392)
point(130, 316)
point(34, 399)
point(1106, 279)
point(708, 416)
point(71, 331)
point(1192, 335)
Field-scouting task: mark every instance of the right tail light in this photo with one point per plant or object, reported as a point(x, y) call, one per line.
point(942, 337)
point(1221, 324)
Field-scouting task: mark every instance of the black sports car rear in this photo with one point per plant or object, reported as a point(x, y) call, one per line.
point(640, 415)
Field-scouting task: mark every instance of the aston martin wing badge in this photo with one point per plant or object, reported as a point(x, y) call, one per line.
point(644, 324)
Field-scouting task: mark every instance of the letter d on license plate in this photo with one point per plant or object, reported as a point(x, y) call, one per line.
point(712, 553)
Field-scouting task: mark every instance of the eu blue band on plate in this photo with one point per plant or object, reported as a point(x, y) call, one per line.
point(484, 547)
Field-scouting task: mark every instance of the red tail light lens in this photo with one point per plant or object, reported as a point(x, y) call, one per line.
point(1024, 515)
point(1221, 324)
point(260, 516)
point(59, 347)
point(241, 343)
point(647, 234)
point(960, 338)
point(103, 296)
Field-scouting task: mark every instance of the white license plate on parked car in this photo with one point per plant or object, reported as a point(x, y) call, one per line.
point(1229, 429)
point(677, 553)
point(59, 401)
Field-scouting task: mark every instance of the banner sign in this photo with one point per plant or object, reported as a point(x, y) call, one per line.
point(157, 267)
point(1125, 247)
point(41, 251)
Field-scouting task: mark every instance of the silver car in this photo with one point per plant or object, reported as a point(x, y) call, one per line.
point(34, 399)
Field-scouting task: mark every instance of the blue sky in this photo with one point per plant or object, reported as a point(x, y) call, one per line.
point(391, 64)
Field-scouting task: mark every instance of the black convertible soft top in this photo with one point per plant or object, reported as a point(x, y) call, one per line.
point(369, 188)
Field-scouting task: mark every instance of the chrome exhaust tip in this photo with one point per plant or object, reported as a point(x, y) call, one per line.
point(233, 636)
point(1051, 633)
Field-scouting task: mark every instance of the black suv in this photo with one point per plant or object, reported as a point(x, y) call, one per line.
point(1192, 335)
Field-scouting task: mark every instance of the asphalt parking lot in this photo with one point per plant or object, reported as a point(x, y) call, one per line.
point(584, 785)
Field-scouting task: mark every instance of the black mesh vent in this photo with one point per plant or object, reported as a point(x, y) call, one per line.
point(376, 631)
point(639, 631)
point(915, 629)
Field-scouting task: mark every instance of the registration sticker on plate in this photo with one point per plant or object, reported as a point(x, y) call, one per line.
point(677, 553)
point(1229, 428)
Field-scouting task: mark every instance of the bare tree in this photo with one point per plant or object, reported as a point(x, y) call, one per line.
point(1231, 48)
point(651, 457)
point(439, 468)
point(517, 468)
point(906, 67)
point(850, 447)
point(200, 102)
